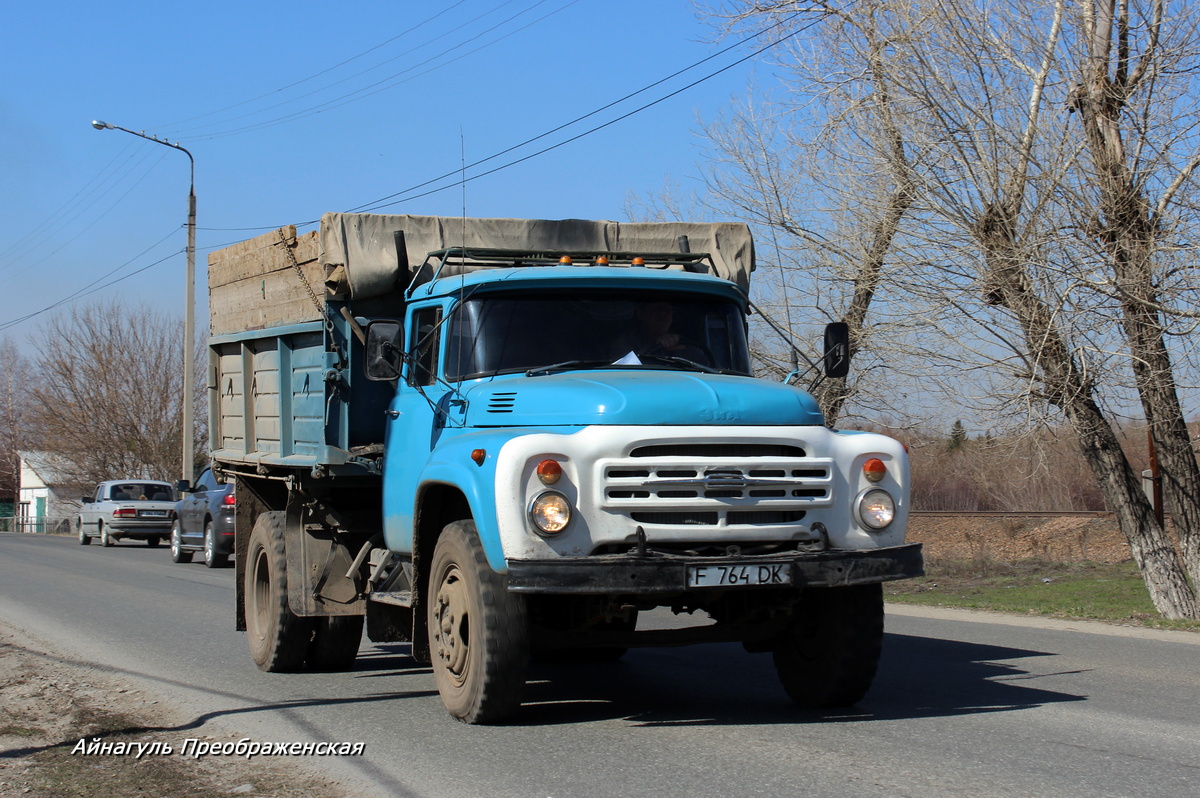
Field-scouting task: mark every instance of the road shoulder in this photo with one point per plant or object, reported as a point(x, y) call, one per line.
point(1040, 622)
point(54, 709)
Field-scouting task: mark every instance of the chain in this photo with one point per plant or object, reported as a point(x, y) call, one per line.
point(317, 303)
point(320, 306)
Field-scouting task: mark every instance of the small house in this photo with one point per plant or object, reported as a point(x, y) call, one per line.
point(46, 502)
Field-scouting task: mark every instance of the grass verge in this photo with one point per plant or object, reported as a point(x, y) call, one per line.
point(1108, 592)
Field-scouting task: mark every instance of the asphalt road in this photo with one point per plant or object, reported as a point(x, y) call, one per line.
point(964, 704)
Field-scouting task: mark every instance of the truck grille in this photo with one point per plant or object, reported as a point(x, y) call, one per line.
point(716, 485)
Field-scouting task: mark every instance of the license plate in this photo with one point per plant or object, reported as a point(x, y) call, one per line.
point(153, 513)
point(738, 575)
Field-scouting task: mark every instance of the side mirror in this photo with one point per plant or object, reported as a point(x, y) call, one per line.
point(183, 486)
point(384, 350)
point(86, 499)
point(837, 349)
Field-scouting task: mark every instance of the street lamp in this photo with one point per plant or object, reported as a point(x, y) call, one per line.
point(189, 323)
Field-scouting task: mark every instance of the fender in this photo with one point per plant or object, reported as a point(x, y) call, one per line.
point(451, 464)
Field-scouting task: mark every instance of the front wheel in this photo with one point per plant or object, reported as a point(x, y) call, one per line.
point(177, 552)
point(278, 637)
point(828, 655)
point(84, 540)
point(478, 631)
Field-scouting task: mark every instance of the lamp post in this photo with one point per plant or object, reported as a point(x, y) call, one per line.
point(189, 323)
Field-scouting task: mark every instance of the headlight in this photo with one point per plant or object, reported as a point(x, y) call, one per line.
point(876, 508)
point(550, 512)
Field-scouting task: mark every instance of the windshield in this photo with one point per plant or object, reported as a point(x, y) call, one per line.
point(517, 332)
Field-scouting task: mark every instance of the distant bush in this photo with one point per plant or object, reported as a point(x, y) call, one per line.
point(1041, 470)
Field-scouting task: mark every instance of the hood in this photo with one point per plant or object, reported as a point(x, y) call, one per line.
point(638, 398)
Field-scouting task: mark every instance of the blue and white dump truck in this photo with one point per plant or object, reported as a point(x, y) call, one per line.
point(503, 439)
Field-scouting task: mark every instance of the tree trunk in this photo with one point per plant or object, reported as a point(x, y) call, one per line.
point(1068, 387)
point(1129, 229)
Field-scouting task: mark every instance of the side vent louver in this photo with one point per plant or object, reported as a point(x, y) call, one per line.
point(502, 402)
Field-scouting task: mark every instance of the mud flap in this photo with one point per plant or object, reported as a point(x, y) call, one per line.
point(317, 562)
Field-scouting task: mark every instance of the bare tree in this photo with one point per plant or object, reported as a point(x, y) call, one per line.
point(1000, 184)
point(1126, 101)
point(107, 392)
point(14, 371)
point(786, 167)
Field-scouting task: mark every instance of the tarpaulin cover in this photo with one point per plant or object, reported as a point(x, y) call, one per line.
point(364, 244)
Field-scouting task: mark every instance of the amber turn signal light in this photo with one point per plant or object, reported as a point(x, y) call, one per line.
point(549, 472)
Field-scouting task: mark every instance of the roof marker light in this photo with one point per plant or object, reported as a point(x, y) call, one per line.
point(565, 260)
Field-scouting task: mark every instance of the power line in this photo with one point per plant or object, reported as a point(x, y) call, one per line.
point(80, 202)
point(385, 83)
point(79, 292)
point(382, 202)
point(327, 70)
point(457, 172)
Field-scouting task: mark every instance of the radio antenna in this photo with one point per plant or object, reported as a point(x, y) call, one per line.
point(462, 149)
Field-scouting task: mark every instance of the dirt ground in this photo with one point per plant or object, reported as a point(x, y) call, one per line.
point(49, 703)
point(1069, 538)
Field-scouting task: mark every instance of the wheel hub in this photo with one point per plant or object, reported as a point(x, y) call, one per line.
point(452, 626)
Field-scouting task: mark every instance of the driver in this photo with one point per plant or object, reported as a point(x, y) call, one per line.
point(653, 335)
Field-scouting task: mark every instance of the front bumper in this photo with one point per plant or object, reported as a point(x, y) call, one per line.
point(633, 574)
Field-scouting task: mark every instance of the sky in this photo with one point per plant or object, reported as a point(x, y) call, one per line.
point(290, 110)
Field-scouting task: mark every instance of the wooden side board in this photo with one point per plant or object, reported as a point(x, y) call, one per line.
point(252, 285)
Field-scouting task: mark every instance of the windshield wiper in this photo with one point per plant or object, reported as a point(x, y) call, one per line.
point(567, 365)
point(681, 361)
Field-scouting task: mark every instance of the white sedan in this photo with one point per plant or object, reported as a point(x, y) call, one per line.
point(139, 509)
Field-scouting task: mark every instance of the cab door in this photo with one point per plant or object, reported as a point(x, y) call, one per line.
point(413, 426)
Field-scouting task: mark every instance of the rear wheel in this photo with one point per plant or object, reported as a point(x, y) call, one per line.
point(105, 538)
point(828, 656)
point(278, 637)
point(213, 558)
point(177, 552)
point(153, 541)
point(335, 642)
point(478, 631)
point(84, 540)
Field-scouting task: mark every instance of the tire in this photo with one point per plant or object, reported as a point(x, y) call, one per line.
point(478, 631)
point(828, 657)
point(177, 552)
point(153, 541)
point(84, 538)
point(335, 642)
point(105, 539)
point(212, 559)
point(278, 637)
